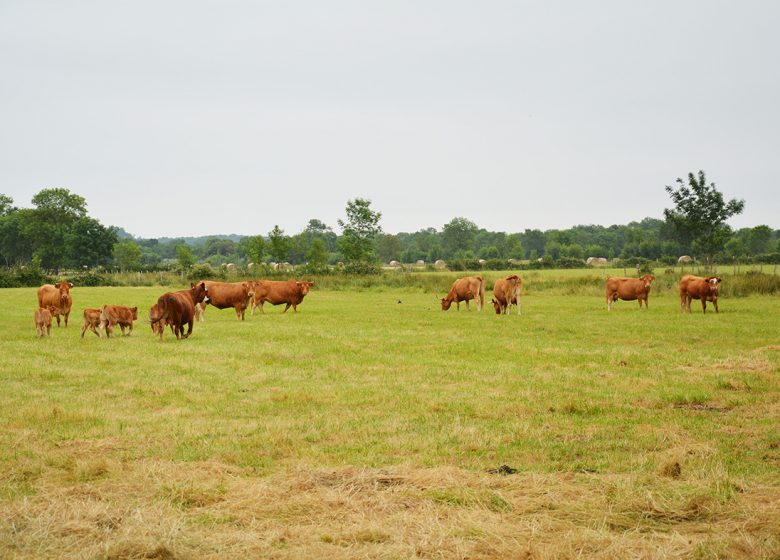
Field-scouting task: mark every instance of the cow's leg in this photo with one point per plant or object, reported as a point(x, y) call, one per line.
point(286, 307)
point(66, 318)
point(715, 304)
point(84, 328)
point(58, 319)
point(704, 305)
point(518, 304)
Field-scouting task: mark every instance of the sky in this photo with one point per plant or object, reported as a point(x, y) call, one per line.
point(213, 117)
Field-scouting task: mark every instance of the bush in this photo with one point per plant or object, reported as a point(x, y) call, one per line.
point(668, 260)
point(202, 272)
point(570, 262)
point(90, 279)
point(361, 268)
point(768, 258)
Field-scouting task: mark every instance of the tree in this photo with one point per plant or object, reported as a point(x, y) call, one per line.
point(458, 235)
point(700, 213)
point(254, 248)
point(61, 204)
point(88, 242)
point(388, 248)
point(127, 255)
point(184, 256)
point(358, 232)
point(6, 204)
point(318, 254)
point(279, 244)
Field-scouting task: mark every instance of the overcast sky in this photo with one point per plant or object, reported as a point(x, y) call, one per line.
point(192, 118)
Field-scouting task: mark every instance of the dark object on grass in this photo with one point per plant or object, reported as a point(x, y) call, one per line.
point(503, 469)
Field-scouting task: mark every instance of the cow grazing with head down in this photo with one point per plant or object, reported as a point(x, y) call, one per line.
point(112, 315)
point(177, 309)
point(629, 289)
point(58, 297)
point(696, 287)
point(465, 289)
point(222, 295)
point(43, 321)
point(91, 321)
point(506, 291)
point(289, 292)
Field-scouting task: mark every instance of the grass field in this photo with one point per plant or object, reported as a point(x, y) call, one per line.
point(364, 426)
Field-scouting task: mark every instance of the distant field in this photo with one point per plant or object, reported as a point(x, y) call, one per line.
point(364, 426)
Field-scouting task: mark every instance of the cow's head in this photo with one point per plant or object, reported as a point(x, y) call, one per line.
point(200, 292)
point(712, 284)
point(445, 303)
point(134, 310)
point(154, 318)
point(304, 287)
point(647, 281)
point(64, 288)
point(496, 306)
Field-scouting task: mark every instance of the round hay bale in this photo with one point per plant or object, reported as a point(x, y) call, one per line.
point(684, 259)
point(440, 264)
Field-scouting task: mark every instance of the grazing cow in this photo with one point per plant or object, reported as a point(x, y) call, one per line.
point(506, 291)
point(91, 321)
point(696, 287)
point(290, 292)
point(465, 289)
point(58, 297)
point(227, 294)
point(111, 315)
point(629, 289)
point(178, 309)
point(43, 320)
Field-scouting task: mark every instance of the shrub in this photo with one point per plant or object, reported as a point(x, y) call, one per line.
point(361, 268)
point(570, 262)
point(201, 272)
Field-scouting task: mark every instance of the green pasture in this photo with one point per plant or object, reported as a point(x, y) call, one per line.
point(383, 379)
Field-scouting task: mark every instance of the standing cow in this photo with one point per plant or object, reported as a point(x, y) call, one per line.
point(112, 315)
point(43, 321)
point(465, 289)
point(290, 292)
point(629, 289)
point(58, 297)
point(227, 294)
point(177, 309)
point(696, 287)
point(506, 291)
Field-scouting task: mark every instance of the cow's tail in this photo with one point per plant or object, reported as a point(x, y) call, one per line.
point(163, 308)
point(481, 292)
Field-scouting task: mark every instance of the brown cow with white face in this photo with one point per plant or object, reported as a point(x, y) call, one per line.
point(91, 321)
point(222, 295)
point(506, 291)
point(42, 320)
point(465, 289)
point(58, 297)
point(696, 287)
point(112, 315)
point(289, 292)
point(629, 289)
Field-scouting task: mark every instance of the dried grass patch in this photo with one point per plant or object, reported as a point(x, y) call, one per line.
point(208, 510)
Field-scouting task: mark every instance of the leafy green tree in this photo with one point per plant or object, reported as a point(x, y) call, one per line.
point(388, 247)
point(61, 204)
point(254, 248)
point(184, 256)
point(6, 204)
point(458, 235)
point(89, 243)
point(759, 240)
point(359, 230)
point(700, 214)
point(279, 244)
point(318, 254)
point(127, 255)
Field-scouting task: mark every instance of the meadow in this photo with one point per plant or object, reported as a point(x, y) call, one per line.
point(367, 426)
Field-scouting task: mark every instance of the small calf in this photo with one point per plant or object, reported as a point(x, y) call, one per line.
point(91, 321)
point(43, 321)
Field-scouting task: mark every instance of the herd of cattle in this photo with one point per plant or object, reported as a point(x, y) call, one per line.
point(173, 309)
point(177, 309)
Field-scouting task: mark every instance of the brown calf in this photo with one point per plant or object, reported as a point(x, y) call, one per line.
point(506, 291)
point(43, 321)
point(91, 321)
point(112, 315)
point(289, 292)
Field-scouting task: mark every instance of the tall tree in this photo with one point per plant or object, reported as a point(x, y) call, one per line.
point(6, 204)
point(700, 214)
point(127, 255)
point(458, 235)
point(254, 248)
point(279, 244)
point(359, 231)
point(184, 256)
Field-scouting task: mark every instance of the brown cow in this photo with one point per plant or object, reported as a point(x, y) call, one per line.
point(465, 289)
point(696, 287)
point(290, 292)
point(43, 320)
point(629, 289)
point(158, 326)
point(57, 296)
point(178, 309)
point(227, 294)
point(506, 291)
point(91, 321)
point(111, 315)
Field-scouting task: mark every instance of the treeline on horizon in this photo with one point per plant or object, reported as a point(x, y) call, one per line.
point(57, 233)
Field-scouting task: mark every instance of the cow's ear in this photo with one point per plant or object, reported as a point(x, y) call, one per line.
point(134, 309)
point(70, 284)
point(719, 279)
point(192, 285)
